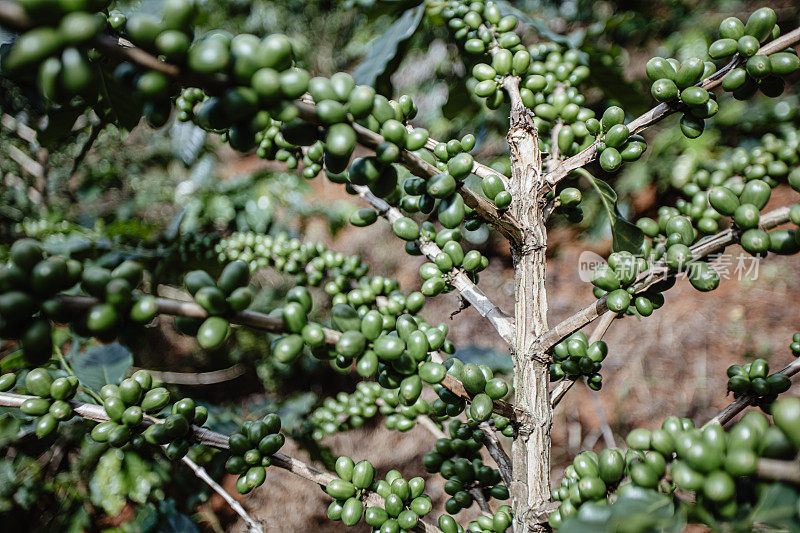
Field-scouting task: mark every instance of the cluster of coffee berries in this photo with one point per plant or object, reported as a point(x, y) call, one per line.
point(615, 141)
point(574, 357)
point(458, 460)
point(29, 283)
point(754, 379)
point(404, 501)
point(252, 448)
point(228, 295)
point(499, 522)
point(51, 404)
point(716, 466)
point(118, 300)
point(481, 385)
point(437, 275)
point(759, 72)
point(127, 404)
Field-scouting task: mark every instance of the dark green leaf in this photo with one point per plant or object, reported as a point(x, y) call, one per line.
point(102, 364)
point(187, 141)
point(572, 40)
point(121, 107)
point(777, 508)
point(636, 509)
point(9, 429)
point(626, 236)
point(496, 360)
point(7, 38)
point(173, 521)
point(384, 48)
point(59, 125)
point(13, 361)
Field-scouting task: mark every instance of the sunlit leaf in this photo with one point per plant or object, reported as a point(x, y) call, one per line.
point(383, 49)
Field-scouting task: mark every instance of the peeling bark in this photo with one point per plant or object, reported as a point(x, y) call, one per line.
point(530, 453)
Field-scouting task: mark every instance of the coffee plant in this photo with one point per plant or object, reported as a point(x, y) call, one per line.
point(564, 145)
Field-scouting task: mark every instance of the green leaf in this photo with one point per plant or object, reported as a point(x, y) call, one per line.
point(172, 521)
point(102, 364)
point(122, 107)
point(625, 235)
point(79, 521)
point(187, 140)
point(636, 509)
point(108, 486)
point(7, 38)
point(777, 507)
point(9, 429)
point(572, 40)
point(494, 359)
point(12, 361)
point(384, 49)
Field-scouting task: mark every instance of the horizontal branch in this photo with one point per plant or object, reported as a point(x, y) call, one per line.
point(739, 404)
point(663, 110)
point(198, 378)
point(777, 470)
point(266, 323)
point(98, 413)
point(653, 275)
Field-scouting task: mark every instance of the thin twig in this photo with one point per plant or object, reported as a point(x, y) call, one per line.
point(550, 207)
point(431, 426)
point(502, 322)
point(663, 110)
point(27, 163)
point(496, 451)
point(94, 132)
point(477, 494)
point(201, 473)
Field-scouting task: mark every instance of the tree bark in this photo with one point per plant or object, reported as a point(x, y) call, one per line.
point(530, 490)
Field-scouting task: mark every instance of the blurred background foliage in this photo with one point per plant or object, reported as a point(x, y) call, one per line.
point(81, 183)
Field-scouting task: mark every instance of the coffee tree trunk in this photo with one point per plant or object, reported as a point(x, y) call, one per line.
point(530, 489)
